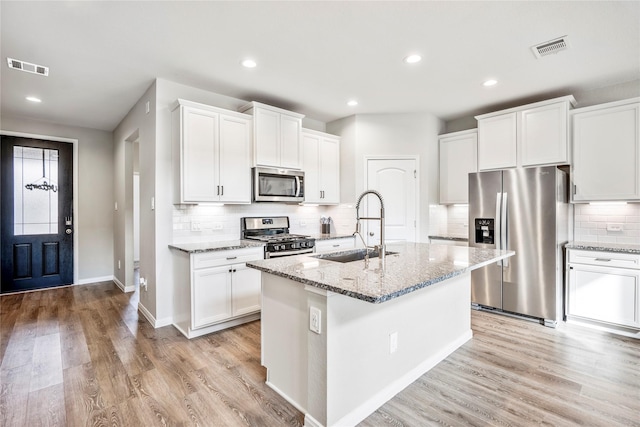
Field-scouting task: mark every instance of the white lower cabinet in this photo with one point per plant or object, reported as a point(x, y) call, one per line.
point(335, 245)
point(222, 291)
point(604, 287)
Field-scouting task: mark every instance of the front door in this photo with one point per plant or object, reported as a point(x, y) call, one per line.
point(395, 180)
point(36, 229)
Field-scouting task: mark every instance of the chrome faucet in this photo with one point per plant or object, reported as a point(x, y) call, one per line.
point(380, 248)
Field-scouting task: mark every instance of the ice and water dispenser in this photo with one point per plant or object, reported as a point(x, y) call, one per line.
point(485, 231)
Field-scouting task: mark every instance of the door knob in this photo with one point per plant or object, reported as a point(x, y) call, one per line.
point(68, 231)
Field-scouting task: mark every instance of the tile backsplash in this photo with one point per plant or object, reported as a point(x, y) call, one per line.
point(449, 220)
point(200, 223)
point(598, 223)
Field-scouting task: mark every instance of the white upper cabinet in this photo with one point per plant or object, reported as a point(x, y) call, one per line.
point(530, 135)
point(321, 166)
point(211, 154)
point(277, 134)
point(606, 152)
point(497, 142)
point(458, 158)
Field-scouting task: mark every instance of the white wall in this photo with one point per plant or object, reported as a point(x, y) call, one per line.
point(140, 126)
point(94, 221)
point(388, 135)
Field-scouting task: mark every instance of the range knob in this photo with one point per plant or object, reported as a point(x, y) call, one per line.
point(283, 247)
point(303, 244)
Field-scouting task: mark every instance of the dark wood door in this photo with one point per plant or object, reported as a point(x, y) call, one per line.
point(37, 213)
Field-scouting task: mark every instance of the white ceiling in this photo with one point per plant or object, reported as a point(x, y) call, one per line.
point(312, 56)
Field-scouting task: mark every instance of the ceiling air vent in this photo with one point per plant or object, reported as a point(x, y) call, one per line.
point(16, 64)
point(550, 47)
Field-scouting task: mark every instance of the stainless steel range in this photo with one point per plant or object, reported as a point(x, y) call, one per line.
point(274, 231)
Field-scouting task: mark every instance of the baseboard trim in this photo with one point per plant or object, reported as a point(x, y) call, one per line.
point(147, 314)
point(96, 280)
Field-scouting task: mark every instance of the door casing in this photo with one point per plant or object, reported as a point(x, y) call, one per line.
point(77, 230)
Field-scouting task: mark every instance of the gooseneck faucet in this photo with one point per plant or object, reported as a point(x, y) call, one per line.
point(380, 248)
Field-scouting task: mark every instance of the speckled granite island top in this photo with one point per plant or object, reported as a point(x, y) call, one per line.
point(415, 266)
point(605, 247)
point(215, 246)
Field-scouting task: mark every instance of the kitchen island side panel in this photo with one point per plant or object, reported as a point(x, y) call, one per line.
point(343, 374)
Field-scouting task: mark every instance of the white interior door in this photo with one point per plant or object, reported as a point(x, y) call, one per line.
point(395, 180)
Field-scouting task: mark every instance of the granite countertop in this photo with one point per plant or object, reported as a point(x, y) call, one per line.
point(216, 246)
point(628, 248)
point(330, 236)
point(416, 266)
point(457, 239)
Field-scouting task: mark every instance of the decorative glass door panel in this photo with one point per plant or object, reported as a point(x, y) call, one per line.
point(35, 194)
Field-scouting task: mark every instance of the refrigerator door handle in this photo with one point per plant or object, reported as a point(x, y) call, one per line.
point(498, 224)
point(504, 236)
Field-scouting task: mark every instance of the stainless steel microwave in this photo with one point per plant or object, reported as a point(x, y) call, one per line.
point(278, 185)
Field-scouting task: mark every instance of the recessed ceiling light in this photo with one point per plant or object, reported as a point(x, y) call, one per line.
point(249, 63)
point(412, 59)
point(352, 103)
point(33, 99)
point(490, 82)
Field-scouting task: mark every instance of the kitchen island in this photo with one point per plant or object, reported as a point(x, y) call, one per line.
point(340, 339)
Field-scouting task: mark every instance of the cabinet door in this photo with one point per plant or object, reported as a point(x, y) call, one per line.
point(211, 295)
point(458, 158)
point(329, 156)
point(606, 160)
point(543, 135)
point(267, 137)
point(235, 160)
point(290, 128)
point(310, 166)
point(246, 289)
point(497, 142)
point(199, 156)
point(604, 294)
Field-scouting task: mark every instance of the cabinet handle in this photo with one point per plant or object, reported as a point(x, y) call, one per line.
point(603, 259)
point(336, 246)
point(234, 270)
point(222, 190)
point(217, 190)
point(230, 271)
point(232, 257)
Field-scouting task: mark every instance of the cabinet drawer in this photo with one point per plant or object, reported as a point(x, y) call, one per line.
point(605, 259)
point(218, 258)
point(334, 245)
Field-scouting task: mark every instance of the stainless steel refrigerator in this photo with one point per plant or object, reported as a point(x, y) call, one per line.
point(524, 210)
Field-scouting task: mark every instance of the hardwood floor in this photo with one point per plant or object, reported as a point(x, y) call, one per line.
point(83, 355)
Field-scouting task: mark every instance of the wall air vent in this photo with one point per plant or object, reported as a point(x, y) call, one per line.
point(550, 47)
point(16, 64)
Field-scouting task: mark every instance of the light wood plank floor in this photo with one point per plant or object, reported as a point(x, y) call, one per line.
point(83, 355)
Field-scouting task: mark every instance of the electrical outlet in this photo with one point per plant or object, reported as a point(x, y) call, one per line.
point(196, 226)
point(315, 320)
point(613, 226)
point(119, 265)
point(217, 226)
point(393, 342)
point(303, 223)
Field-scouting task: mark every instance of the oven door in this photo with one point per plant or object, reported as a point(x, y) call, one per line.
point(268, 255)
point(278, 185)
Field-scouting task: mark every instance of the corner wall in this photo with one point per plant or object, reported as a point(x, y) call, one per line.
point(136, 125)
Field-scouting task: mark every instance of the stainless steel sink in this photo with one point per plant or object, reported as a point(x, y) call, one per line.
point(349, 256)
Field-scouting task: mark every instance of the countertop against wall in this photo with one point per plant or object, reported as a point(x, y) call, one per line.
point(605, 247)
